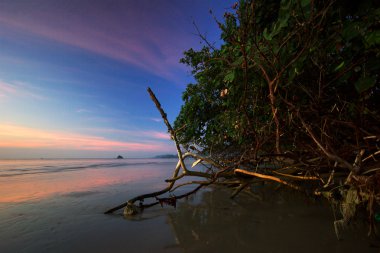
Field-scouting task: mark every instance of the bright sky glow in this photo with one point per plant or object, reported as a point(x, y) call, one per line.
point(74, 73)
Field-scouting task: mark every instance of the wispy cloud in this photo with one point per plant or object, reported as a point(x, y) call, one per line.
point(6, 88)
point(141, 134)
point(19, 89)
point(156, 119)
point(83, 110)
point(159, 135)
point(16, 136)
point(127, 35)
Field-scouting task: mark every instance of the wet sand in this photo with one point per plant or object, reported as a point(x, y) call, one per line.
point(273, 221)
point(63, 212)
point(208, 222)
point(76, 223)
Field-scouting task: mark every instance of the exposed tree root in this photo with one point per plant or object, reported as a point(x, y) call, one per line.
point(342, 184)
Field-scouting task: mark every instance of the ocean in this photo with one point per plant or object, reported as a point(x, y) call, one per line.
point(30, 180)
point(57, 205)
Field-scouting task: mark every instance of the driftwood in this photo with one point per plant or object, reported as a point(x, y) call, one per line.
point(131, 208)
point(345, 185)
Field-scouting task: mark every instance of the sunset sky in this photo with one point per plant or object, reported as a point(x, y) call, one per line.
point(74, 73)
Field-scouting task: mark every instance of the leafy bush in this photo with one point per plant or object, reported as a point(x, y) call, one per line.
point(287, 70)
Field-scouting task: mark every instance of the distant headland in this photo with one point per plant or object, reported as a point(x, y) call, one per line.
point(166, 156)
point(119, 157)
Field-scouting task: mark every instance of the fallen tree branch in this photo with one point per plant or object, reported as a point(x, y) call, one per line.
point(297, 177)
point(259, 175)
point(170, 129)
point(181, 164)
point(149, 195)
point(287, 167)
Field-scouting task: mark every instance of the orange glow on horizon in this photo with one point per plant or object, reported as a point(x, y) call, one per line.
point(14, 136)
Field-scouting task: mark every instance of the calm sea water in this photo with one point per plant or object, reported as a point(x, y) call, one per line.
point(26, 180)
point(58, 205)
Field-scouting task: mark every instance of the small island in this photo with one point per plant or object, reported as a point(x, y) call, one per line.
point(119, 157)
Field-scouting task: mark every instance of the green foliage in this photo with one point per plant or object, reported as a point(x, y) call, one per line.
point(318, 59)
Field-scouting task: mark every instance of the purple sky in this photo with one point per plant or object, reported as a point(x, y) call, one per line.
point(74, 73)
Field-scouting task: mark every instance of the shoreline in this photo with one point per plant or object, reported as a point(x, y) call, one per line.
point(201, 223)
point(73, 220)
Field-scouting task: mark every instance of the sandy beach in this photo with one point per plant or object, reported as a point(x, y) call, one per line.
point(69, 217)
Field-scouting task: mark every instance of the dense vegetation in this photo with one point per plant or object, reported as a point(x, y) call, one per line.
point(293, 96)
point(285, 65)
point(295, 84)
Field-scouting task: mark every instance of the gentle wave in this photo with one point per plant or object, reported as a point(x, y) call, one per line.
point(29, 167)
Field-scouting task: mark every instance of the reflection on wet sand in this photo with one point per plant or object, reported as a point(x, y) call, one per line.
point(282, 222)
point(62, 211)
point(39, 186)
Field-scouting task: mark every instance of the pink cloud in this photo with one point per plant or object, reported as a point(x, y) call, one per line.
point(18, 89)
point(127, 36)
point(159, 135)
point(15, 136)
point(135, 133)
point(7, 88)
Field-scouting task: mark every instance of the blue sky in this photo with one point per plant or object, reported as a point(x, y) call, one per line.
point(73, 74)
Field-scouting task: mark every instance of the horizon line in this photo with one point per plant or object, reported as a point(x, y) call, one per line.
point(73, 158)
